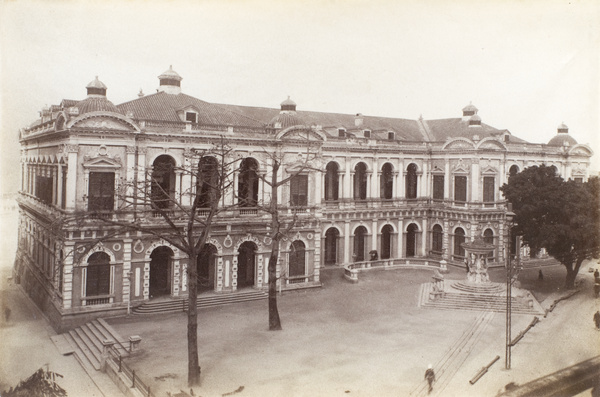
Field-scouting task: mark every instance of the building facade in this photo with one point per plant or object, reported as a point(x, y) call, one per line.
point(389, 188)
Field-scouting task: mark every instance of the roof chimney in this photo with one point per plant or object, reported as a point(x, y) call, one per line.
point(359, 120)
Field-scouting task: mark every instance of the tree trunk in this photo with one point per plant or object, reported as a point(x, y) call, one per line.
point(274, 321)
point(572, 272)
point(192, 334)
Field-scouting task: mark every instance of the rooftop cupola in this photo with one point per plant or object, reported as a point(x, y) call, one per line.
point(468, 111)
point(96, 100)
point(96, 88)
point(359, 120)
point(562, 129)
point(562, 137)
point(287, 116)
point(288, 105)
point(170, 82)
point(475, 121)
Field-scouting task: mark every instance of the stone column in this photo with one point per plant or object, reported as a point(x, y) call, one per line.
point(424, 238)
point(68, 275)
point(127, 276)
point(400, 238)
point(374, 234)
point(347, 254)
point(447, 180)
point(475, 175)
point(72, 151)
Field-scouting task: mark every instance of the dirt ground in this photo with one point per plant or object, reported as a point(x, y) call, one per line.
point(365, 339)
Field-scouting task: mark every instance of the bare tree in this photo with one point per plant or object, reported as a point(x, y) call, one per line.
point(149, 205)
point(295, 156)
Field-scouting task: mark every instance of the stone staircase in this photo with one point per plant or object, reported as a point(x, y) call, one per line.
point(181, 304)
point(87, 342)
point(457, 299)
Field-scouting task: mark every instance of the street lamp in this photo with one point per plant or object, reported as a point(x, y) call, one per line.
point(509, 221)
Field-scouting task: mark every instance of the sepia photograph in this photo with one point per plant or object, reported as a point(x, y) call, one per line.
point(299, 199)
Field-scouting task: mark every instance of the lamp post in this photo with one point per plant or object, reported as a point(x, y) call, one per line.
point(509, 221)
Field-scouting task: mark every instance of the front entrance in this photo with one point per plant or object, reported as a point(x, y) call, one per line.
point(246, 264)
point(160, 272)
point(206, 264)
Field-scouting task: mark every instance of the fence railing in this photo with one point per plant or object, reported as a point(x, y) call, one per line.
point(134, 379)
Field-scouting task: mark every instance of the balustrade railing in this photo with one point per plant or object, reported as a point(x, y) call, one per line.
point(134, 379)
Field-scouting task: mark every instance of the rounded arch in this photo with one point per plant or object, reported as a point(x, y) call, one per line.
point(246, 263)
point(386, 182)
point(459, 238)
point(331, 246)
point(163, 181)
point(513, 170)
point(332, 181)
point(206, 264)
point(98, 274)
point(152, 159)
point(411, 181)
point(387, 232)
point(98, 248)
point(248, 182)
point(360, 243)
point(207, 181)
point(411, 239)
point(161, 261)
point(488, 237)
point(437, 239)
point(458, 143)
point(297, 259)
point(360, 180)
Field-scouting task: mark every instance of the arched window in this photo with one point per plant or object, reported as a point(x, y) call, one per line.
point(488, 238)
point(297, 263)
point(359, 244)
point(163, 182)
point(514, 170)
point(437, 238)
point(207, 181)
point(411, 181)
point(386, 241)
point(248, 183)
point(98, 274)
point(331, 245)
point(246, 264)
point(332, 182)
point(387, 181)
point(459, 238)
point(360, 181)
point(205, 265)
point(411, 240)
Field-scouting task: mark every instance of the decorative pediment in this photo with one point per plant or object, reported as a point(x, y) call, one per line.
point(103, 121)
point(489, 171)
point(301, 133)
point(459, 144)
point(491, 144)
point(581, 150)
point(101, 162)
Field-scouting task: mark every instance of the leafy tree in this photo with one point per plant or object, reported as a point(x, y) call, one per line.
point(561, 216)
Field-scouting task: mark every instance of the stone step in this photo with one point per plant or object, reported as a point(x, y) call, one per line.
point(83, 351)
point(108, 332)
point(181, 304)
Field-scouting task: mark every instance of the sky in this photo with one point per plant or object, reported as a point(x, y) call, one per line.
point(527, 65)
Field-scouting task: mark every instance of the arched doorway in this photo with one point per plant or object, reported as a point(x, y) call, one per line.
point(248, 183)
point(331, 245)
point(297, 259)
point(387, 181)
point(206, 264)
point(360, 248)
point(411, 181)
point(360, 181)
point(488, 238)
point(386, 241)
point(437, 240)
point(411, 240)
point(160, 272)
point(98, 274)
point(163, 182)
point(459, 238)
point(332, 182)
point(246, 264)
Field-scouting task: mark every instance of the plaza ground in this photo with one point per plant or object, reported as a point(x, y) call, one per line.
point(365, 339)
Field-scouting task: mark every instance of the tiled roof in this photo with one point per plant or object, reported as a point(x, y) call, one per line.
point(442, 129)
point(94, 104)
point(163, 107)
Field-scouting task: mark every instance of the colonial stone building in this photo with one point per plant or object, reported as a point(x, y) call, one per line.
point(398, 189)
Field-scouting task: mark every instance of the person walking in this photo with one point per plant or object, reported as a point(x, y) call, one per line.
point(597, 320)
point(430, 375)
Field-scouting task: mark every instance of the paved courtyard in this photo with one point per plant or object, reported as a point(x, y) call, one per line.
point(366, 339)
